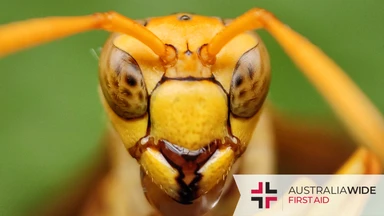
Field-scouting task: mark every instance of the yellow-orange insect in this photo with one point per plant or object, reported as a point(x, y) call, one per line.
point(185, 92)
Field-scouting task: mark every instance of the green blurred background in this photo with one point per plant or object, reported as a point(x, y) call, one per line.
point(50, 116)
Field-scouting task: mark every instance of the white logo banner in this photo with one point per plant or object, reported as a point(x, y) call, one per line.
point(317, 195)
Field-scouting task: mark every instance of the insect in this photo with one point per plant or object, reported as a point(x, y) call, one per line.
point(185, 98)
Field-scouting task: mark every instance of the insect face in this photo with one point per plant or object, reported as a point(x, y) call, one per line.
point(185, 123)
point(185, 93)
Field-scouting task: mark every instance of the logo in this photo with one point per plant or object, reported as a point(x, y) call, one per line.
point(264, 195)
point(310, 194)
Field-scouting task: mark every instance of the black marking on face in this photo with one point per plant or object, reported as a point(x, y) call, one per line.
point(131, 80)
point(242, 93)
point(188, 164)
point(251, 71)
point(238, 81)
point(188, 52)
point(187, 193)
point(237, 65)
point(140, 96)
point(118, 70)
point(127, 92)
point(115, 83)
point(191, 78)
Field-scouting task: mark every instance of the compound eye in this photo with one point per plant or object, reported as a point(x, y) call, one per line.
point(250, 84)
point(123, 85)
